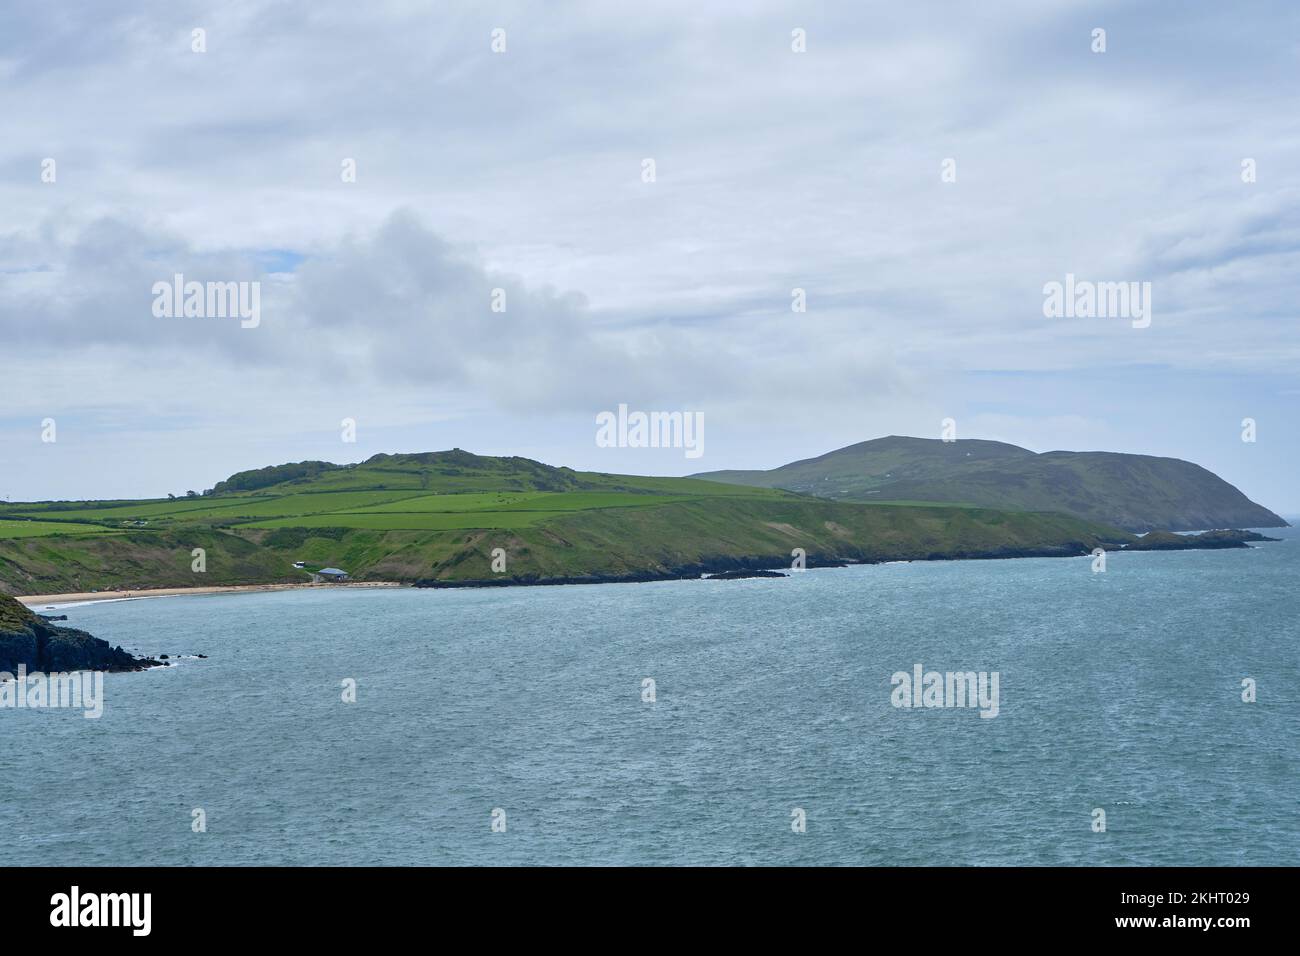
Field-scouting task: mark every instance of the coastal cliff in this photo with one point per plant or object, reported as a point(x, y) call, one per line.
point(454, 519)
point(1206, 540)
point(36, 645)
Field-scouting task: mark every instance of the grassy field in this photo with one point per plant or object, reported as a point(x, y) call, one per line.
point(43, 529)
point(439, 516)
point(389, 510)
point(417, 521)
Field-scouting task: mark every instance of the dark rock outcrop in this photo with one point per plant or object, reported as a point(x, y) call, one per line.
point(1206, 540)
point(37, 645)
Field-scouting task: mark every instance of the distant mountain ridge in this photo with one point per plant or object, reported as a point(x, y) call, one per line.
point(1135, 492)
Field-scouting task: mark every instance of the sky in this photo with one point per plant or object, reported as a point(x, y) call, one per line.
point(920, 170)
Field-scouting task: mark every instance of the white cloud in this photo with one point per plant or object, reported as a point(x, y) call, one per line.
point(521, 171)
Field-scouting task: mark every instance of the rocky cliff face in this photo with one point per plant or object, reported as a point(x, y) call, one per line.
point(1206, 540)
point(27, 640)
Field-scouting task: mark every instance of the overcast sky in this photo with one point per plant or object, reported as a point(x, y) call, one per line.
point(522, 170)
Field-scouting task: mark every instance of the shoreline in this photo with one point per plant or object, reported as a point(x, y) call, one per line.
point(92, 597)
point(1208, 541)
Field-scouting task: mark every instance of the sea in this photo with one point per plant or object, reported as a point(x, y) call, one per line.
point(1145, 714)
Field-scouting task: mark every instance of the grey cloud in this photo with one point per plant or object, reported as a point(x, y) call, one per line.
point(400, 303)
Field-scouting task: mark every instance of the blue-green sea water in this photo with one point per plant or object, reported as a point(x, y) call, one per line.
point(1119, 691)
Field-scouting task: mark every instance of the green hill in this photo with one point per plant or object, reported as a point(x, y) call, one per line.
point(437, 517)
point(1134, 492)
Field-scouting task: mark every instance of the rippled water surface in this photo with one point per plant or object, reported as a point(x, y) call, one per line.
point(1119, 691)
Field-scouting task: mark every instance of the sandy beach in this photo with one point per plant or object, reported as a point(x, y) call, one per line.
point(33, 600)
